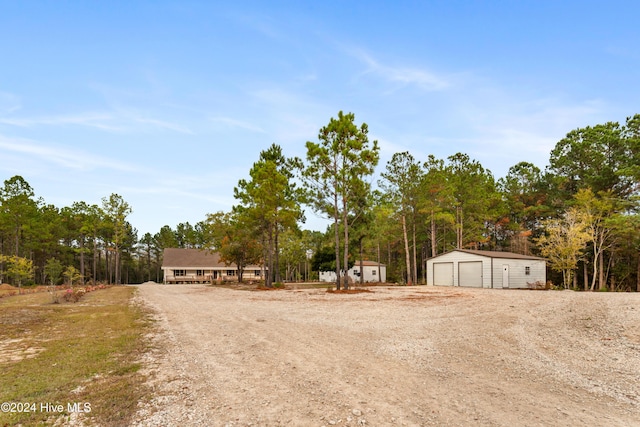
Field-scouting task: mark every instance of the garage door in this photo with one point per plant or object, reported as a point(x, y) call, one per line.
point(443, 273)
point(470, 274)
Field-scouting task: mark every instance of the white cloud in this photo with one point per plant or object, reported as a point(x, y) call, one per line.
point(259, 23)
point(234, 123)
point(72, 159)
point(405, 76)
point(9, 103)
point(96, 120)
point(292, 118)
point(388, 148)
point(164, 125)
point(119, 121)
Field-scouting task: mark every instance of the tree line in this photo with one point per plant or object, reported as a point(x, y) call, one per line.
point(41, 243)
point(581, 213)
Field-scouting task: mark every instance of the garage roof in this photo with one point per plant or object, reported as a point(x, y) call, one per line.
point(498, 254)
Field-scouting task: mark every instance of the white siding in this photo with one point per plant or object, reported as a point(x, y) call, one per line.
point(370, 274)
point(327, 276)
point(190, 274)
point(518, 279)
point(491, 270)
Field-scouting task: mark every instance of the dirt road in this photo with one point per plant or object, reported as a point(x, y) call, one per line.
point(414, 356)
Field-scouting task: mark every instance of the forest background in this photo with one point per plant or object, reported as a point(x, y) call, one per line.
point(580, 213)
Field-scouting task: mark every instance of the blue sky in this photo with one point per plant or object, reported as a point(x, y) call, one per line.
point(168, 103)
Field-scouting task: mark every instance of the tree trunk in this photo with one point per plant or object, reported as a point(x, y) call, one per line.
point(109, 258)
point(459, 227)
point(388, 255)
point(345, 222)
point(270, 258)
point(265, 260)
point(148, 263)
point(277, 250)
point(595, 271)
point(118, 271)
point(361, 264)
point(94, 273)
point(240, 272)
point(99, 264)
point(380, 269)
point(406, 250)
point(601, 283)
point(107, 267)
point(415, 259)
point(434, 245)
point(598, 263)
point(638, 275)
point(337, 237)
point(82, 259)
point(424, 264)
point(585, 272)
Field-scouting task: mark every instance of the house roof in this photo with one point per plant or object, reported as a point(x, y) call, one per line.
point(195, 258)
point(497, 254)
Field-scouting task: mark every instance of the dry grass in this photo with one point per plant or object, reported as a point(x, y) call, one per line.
point(85, 352)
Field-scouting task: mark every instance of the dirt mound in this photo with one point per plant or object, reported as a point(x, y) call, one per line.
point(348, 291)
point(7, 287)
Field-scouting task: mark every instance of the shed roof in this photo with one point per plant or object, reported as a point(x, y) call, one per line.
point(366, 263)
point(195, 258)
point(498, 254)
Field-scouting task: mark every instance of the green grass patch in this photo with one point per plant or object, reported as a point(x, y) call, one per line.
point(83, 353)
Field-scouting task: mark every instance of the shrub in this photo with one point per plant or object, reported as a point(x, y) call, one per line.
point(72, 295)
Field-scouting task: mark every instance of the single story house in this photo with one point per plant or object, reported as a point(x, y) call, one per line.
point(373, 272)
point(486, 269)
point(201, 266)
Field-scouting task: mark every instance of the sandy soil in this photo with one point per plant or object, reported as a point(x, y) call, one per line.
point(414, 356)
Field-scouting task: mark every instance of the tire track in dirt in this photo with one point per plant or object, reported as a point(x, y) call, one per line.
point(397, 356)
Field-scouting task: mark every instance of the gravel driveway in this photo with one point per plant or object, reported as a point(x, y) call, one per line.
point(414, 356)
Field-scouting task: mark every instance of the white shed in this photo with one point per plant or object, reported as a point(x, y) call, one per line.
point(486, 269)
point(373, 272)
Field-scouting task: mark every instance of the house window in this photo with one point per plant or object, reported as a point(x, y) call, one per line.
point(231, 272)
point(256, 273)
point(179, 273)
point(527, 271)
point(373, 272)
point(199, 272)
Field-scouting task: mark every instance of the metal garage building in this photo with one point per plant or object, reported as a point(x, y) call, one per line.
point(485, 269)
